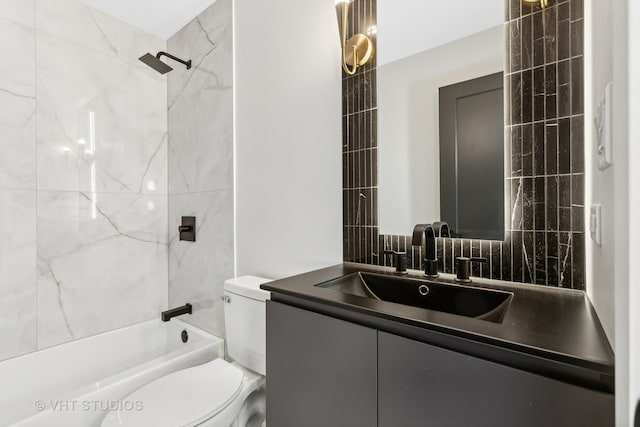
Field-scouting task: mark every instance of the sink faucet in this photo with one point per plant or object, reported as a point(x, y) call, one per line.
point(431, 260)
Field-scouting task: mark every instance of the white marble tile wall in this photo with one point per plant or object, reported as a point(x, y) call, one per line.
point(101, 262)
point(83, 161)
point(200, 104)
point(17, 272)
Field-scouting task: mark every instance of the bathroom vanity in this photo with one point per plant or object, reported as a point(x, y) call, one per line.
point(349, 346)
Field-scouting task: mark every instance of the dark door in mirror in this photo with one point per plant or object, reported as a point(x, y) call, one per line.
point(472, 157)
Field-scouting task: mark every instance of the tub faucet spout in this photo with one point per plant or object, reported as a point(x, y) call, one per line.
point(178, 311)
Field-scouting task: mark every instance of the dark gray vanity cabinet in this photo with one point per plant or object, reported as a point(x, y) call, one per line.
point(320, 371)
point(423, 385)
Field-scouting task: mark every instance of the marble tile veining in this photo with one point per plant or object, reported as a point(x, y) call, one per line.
point(102, 130)
point(102, 262)
point(197, 271)
point(17, 273)
point(201, 104)
point(19, 11)
point(74, 21)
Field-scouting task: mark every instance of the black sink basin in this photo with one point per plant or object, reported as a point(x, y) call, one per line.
point(468, 301)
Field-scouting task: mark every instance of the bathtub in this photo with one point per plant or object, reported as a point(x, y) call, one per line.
point(77, 383)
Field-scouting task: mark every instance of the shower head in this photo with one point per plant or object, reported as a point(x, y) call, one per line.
point(155, 63)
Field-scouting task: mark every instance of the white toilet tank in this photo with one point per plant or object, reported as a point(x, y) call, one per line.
point(245, 321)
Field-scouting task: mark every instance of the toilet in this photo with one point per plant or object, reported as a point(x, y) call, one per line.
point(217, 393)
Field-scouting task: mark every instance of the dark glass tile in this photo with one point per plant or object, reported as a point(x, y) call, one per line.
point(577, 189)
point(527, 42)
point(528, 257)
point(577, 144)
point(516, 151)
point(485, 252)
point(577, 44)
point(528, 204)
point(539, 107)
point(578, 254)
point(550, 39)
point(539, 198)
point(539, 149)
point(552, 203)
point(345, 170)
point(374, 207)
point(528, 9)
point(527, 96)
point(506, 261)
point(527, 150)
point(577, 9)
point(552, 259)
point(577, 219)
point(538, 94)
point(457, 251)
point(564, 146)
point(550, 79)
point(374, 167)
point(538, 39)
point(516, 204)
point(374, 128)
point(551, 148)
point(440, 253)
point(514, 9)
point(475, 252)
point(515, 35)
point(564, 260)
point(564, 88)
point(449, 258)
point(540, 243)
point(496, 267)
point(466, 248)
point(564, 203)
point(367, 168)
point(564, 33)
point(577, 86)
point(551, 106)
point(374, 88)
point(516, 257)
point(516, 98)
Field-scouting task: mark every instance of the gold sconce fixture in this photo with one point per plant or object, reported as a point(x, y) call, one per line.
point(543, 3)
point(356, 51)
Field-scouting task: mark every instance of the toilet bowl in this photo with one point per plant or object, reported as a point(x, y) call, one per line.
point(217, 393)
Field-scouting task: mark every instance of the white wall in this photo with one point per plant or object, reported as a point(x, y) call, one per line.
point(613, 275)
point(601, 270)
point(633, 301)
point(408, 124)
point(288, 137)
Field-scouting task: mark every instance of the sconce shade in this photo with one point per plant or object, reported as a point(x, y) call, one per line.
point(356, 51)
point(342, 13)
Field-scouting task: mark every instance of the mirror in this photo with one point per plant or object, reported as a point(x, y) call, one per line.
point(433, 62)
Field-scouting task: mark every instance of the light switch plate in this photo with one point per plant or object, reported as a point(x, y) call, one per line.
point(595, 224)
point(602, 121)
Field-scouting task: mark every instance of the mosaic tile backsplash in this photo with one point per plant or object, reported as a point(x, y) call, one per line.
point(545, 239)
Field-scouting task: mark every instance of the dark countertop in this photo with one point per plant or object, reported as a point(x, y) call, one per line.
point(543, 326)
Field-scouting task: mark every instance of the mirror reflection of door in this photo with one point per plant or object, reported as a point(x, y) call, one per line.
point(472, 157)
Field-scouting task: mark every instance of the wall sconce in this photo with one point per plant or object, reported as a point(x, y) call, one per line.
point(543, 3)
point(356, 51)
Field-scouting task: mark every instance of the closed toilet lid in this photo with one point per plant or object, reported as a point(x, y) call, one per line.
point(183, 398)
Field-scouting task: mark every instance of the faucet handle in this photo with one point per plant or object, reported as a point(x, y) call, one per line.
point(401, 261)
point(463, 268)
